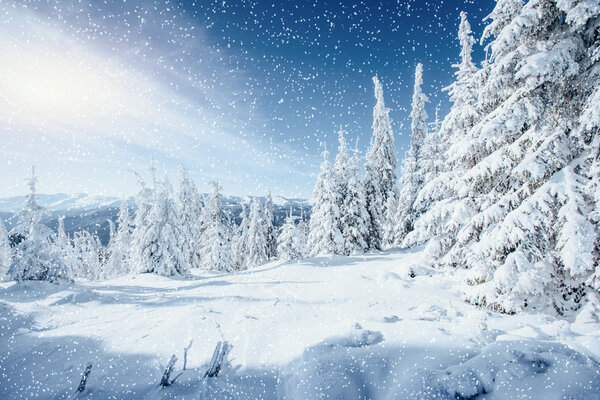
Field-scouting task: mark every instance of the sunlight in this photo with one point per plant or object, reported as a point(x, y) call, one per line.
point(38, 84)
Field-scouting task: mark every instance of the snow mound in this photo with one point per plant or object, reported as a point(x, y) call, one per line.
point(509, 370)
point(358, 337)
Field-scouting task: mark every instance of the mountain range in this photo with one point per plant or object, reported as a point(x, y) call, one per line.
point(83, 211)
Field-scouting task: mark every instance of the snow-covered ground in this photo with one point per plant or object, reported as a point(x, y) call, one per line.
point(335, 328)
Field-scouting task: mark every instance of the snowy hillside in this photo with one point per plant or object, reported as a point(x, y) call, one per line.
point(338, 328)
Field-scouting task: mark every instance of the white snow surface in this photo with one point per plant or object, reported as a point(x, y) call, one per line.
point(324, 328)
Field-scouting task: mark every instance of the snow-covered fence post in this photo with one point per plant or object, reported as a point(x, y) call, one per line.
point(84, 377)
point(216, 362)
point(165, 380)
point(185, 352)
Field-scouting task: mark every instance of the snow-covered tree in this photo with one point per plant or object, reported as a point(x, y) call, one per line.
point(256, 239)
point(160, 249)
point(325, 236)
point(443, 211)
point(64, 246)
point(380, 170)
point(342, 166)
point(303, 232)
point(583, 15)
point(413, 168)
point(355, 217)
point(216, 236)
point(389, 220)
point(36, 256)
point(87, 256)
point(119, 248)
point(188, 205)
point(516, 209)
point(290, 243)
point(239, 239)
point(537, 85)
point(500, 17)
point(145, 201)
point(270, 230)
point(5, 252)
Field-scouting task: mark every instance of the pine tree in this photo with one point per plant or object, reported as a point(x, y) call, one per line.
point(325, 236)
point(389, 225)
point(256, 243)
point(65, 247)
point(216, 237)
point(36, 256)
point(413, 168)
point(341, 166)
point(145, 201)
point(380, 177)
point(533, 147)
point(354, 220)
point(303, 232)
point(271, 234)
point(160, 251)
point(443, 212)
point(86, 256)
point(240, 239)
point(5, 252)
point(189, 210)
point(289, 243)
point(518, 200)
point(119, 253)
point(580, 14)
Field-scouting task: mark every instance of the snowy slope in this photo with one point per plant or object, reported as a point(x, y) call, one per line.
point(338, 328)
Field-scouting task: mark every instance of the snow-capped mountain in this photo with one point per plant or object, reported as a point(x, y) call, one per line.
point(91, 212)
point(63, 202)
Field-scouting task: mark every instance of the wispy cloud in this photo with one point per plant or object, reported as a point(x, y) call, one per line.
point(86, 98)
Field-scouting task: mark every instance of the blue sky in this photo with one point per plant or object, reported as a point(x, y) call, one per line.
point(244, 92)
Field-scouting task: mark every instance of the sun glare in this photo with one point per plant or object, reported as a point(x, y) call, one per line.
point(46, 84)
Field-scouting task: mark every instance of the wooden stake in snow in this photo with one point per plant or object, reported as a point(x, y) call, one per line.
point(165, 380)
point(185, 352)
point(216, 363)
point(84, 377)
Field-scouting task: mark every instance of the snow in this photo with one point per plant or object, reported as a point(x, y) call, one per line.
point(326, 327)
point(63, 202)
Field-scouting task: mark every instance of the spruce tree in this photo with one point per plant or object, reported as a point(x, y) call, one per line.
point(303, 232)
point(5, 252)
point(145, 201)
point(290, 243)
point(443, 212)
point(64, 246)
point(119, 248)
point(325, 236)
point(413, 168)
point(216, 236)
point(86, 257)
point(380, 170)
point(256, 240)
point(516, 212)
point(189, 210)
point(160, 251)
point(355, 218)
point(240, 239)
point(36, 256)
point(270, 230)
point(341, 166)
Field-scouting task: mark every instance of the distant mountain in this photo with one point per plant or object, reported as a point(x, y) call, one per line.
point(88, 212)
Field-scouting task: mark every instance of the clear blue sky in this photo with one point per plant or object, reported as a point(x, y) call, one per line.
point(244, 92)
